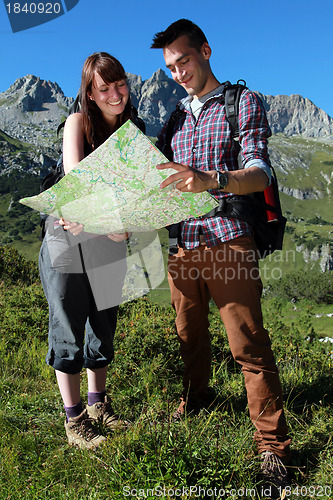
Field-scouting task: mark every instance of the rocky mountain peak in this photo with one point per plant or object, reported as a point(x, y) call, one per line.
point(296, 115)
point(31, 108)
point(31, 93)
point(159, 76)
point(158, 98)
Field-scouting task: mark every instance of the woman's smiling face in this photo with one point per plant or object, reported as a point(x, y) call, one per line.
point(111, 98)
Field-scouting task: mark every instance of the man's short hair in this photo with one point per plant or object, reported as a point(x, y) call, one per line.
point(181, 27)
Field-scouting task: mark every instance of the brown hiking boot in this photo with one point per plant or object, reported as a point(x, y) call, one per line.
point(185, 408)
point(194, 405)
point(275, 475)
point(104, 414)
point(179, 414)
point(82, 433)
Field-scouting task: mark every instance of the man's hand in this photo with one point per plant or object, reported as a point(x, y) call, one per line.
point(190, 180)
point(243, 181)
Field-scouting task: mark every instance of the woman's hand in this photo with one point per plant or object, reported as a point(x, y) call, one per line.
point(118, 236)
point(73, 227)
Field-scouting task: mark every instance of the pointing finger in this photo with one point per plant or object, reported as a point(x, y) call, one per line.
point(172, 178)
point(171, 164)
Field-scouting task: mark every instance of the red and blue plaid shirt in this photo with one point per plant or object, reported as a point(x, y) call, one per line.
point(207, 144)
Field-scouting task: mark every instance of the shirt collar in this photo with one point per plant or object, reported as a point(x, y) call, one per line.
point(186, 101)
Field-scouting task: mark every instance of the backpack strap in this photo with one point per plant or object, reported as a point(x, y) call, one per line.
point(170, 127)
point(174, 229)
point(232, 95)
point(74, 108)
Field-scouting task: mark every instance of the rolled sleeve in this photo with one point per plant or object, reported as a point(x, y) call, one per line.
point(261, 164)
point(254, 132)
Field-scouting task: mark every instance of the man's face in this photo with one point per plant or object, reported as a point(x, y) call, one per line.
point(188, 67)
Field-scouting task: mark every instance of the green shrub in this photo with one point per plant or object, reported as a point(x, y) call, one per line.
point(14, 267)
point(307, 284)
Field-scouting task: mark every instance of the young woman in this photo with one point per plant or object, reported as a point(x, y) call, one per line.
point(80, 335)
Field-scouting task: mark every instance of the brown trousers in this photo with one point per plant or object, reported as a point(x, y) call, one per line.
point(229, 274)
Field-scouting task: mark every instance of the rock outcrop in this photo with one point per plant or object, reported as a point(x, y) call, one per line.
point(296, 115)
point(323, 254)
point(158, 98)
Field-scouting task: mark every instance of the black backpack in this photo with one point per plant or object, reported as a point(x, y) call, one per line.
point(260, 209)
point(56, 171)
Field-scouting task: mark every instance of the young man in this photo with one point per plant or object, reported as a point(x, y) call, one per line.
point(216, 255)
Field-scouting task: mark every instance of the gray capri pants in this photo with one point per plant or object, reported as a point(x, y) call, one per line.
point(80, 335)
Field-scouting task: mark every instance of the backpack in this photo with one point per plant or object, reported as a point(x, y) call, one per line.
point(262, 210)
point(56, 171)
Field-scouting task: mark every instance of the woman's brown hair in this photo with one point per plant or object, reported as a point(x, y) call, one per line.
point(110, 70)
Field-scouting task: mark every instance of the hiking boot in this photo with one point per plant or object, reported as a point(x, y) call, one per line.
point(104, 414)
point(82, 433)
point(179, 414)
point(274, 474)
point(185, 408)
point(194, 405)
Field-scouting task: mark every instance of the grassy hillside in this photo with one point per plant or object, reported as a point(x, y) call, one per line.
point(211, 450)
point(304, 164)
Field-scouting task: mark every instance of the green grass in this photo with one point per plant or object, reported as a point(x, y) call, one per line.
point(213, 449)
point(307, 165)
point(323, 320)
point(303, 210)
point(305, 312)
point(29, 248)
point(27, 242)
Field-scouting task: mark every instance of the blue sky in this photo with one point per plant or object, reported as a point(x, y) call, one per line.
point(278, 47)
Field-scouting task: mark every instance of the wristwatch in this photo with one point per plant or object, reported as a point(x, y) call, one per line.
point(222, 180)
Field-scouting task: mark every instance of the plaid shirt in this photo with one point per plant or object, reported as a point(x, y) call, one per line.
point(207, 144)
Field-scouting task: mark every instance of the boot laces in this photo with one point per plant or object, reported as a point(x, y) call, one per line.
point(273, 465)
point(85, 429)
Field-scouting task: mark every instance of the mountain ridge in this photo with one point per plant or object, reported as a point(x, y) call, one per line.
point(32, 105)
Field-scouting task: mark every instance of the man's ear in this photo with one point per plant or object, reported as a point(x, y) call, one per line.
point(206, 51)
